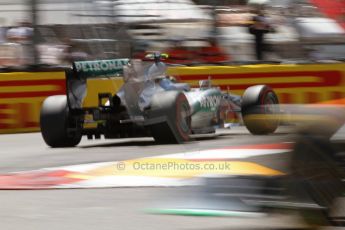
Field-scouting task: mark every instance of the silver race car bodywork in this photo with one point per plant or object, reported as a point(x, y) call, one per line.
point(148, 104)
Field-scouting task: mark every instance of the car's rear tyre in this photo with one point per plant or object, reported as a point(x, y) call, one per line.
point(175, 108)
point(57, 127)
point(260, 110)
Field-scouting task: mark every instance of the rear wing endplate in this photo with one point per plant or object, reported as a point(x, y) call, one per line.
point(77, 78)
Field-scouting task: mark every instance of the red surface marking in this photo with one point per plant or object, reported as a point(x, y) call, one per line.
point(49, 179)
point(36, 180)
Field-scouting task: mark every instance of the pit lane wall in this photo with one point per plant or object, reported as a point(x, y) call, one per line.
point(22, 93)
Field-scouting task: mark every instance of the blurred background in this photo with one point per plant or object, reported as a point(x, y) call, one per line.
point(55, 32)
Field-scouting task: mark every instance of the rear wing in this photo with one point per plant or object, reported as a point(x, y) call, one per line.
point(100, 68)
point(87, 82)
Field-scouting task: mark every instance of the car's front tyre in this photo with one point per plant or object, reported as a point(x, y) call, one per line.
point(260, 110)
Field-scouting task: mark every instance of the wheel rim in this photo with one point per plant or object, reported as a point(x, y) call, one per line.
point(184, 122)
point(269, 105)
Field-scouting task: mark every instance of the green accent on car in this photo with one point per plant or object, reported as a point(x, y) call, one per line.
point(184, 123)
point(100, 68)
point(207, 101)
point(204, 212)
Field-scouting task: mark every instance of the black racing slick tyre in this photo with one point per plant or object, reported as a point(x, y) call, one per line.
point(57, 127)
point(260, 110)
point(173, 106)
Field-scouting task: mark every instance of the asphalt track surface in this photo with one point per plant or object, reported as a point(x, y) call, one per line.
point(115, 208)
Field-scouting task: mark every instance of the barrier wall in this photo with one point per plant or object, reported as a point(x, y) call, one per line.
point(22, 93)
point(308, 83)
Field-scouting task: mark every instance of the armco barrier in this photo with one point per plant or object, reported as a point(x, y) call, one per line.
point(22, 93)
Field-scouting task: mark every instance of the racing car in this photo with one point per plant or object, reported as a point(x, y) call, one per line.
point(149, 103)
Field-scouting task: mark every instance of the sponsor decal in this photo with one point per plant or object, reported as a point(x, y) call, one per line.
point(19, 115)
point(210, 101)
point(101, 67)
